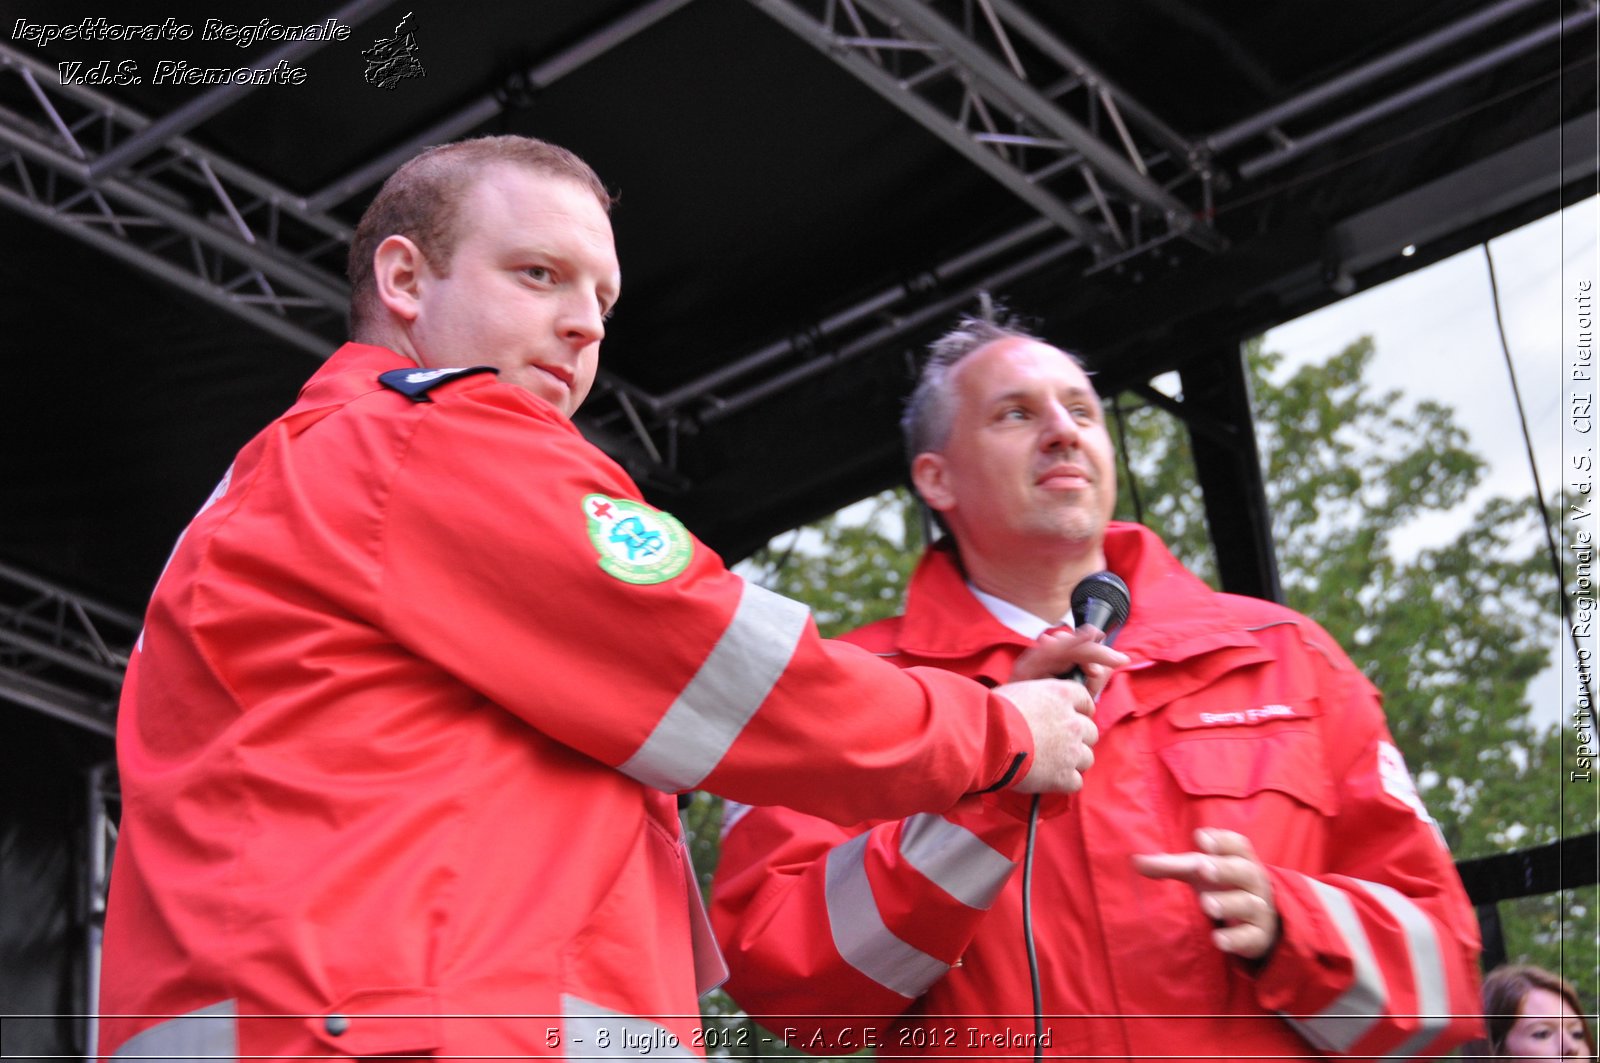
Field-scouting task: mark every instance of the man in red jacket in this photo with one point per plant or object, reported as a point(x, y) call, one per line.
point(1248, 872)
point(399, 740)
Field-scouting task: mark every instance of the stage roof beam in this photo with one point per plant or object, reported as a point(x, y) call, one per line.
point(189, 216)
point(216, 100)
point(62, 653)
point(490, 104)
point(911, 55)
point(1360, 77)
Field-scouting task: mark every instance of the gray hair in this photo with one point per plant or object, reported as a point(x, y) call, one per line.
point(930, 412)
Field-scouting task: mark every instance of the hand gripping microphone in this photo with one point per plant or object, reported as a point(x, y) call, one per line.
point(1100, 600)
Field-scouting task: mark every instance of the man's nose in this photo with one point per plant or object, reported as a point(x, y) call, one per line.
point(1061, 429)
point(582, 320)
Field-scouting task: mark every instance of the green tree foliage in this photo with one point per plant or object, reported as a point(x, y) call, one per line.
point(1453, 633)
point(853, 571)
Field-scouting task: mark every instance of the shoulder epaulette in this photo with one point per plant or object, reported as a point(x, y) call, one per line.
point(415, 384)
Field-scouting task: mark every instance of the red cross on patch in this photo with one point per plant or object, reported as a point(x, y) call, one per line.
point(602, 509)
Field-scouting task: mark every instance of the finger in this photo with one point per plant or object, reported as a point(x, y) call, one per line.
point(1191, 868)
point(1095, 677)
point(1237, 862)
point(1095, 651)
point(1221, 842)
point(1060, 650)
point(1245, 940)
point(1236, 873)
point(1045, 659)
point(1079, 700)
point(1236, 906)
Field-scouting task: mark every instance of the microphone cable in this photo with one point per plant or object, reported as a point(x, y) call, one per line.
point(1027, 930)
point(1101, 601)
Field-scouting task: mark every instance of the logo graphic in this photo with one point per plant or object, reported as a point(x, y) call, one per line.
point(636, 544)
point(391, 59)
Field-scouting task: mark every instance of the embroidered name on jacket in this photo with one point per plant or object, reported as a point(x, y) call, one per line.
point(1245, 717)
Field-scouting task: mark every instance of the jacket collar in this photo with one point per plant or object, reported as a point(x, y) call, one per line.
point(942, 618)
point(1175, 616)
point(351, 370)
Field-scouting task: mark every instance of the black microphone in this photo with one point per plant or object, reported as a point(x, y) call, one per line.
point(1100, 600)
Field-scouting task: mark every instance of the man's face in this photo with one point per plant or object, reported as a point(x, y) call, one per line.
point(533, 276)
point(1029, 461)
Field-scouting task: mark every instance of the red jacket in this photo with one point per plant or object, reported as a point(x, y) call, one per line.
point(398, 744)
point(1234, 713)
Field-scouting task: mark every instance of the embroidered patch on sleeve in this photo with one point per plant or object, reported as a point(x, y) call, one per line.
point(1398, 784)
point(637, 544)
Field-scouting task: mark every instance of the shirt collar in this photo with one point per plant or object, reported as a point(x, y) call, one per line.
point(1015, 617)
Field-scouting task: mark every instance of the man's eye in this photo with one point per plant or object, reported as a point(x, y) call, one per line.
point(538, 273)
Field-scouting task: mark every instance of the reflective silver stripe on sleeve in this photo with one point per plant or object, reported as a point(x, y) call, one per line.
point(1344, 1022)
point(205, 1033)
point(1427, 967)
point(594, 1032)
point(955, 859)
point(859, 932)
point(708, 715)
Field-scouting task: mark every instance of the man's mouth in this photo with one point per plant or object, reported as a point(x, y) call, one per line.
point(561, 373)
point(1063, 476)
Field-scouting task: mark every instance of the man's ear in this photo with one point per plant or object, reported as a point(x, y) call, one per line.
point(930, 476)
point(398, 266)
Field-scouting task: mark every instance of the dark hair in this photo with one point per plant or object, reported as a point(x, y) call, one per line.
point(422, 201)
point(1504, 991)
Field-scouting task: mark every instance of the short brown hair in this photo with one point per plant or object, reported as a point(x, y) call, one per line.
point(1507, 987)
point(422, 201)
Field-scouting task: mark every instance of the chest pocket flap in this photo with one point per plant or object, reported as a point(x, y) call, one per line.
point(1219, 759)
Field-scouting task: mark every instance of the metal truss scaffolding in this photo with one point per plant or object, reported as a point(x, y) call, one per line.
point(1109, 179)
point(61, 653)
point(1023, 107)
point(179, 212)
